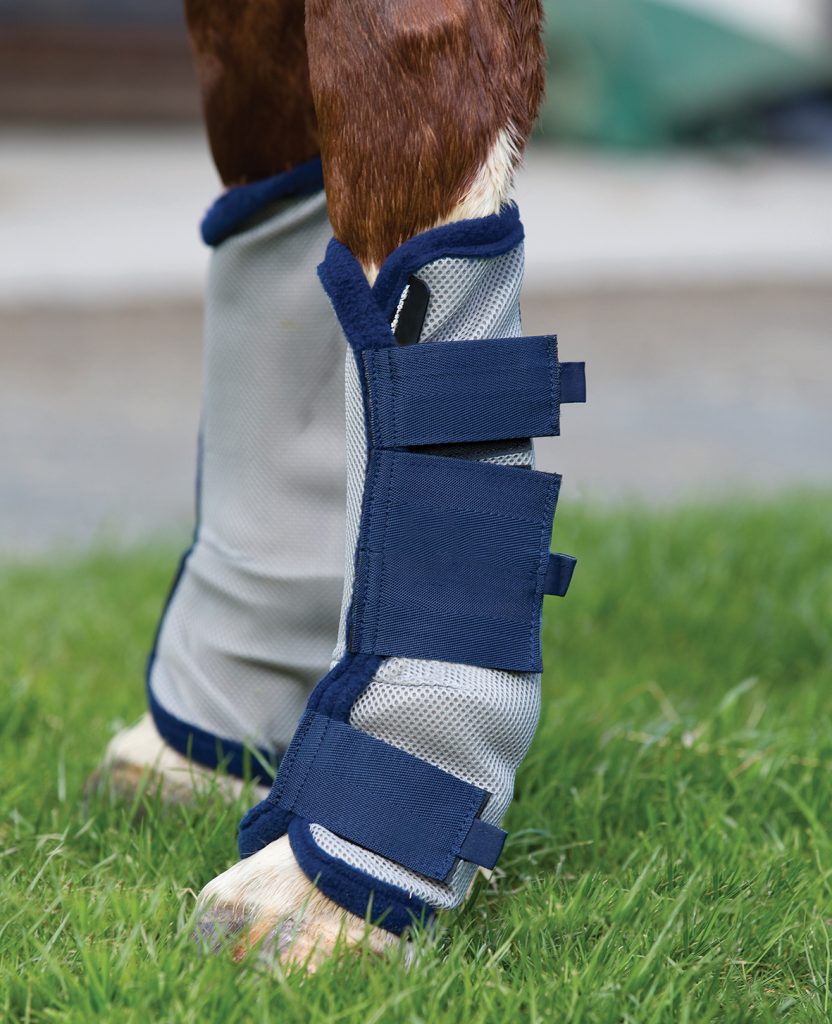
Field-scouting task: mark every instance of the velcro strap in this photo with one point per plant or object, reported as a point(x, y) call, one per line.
point(559, 574)
point(448, 392)
point(452, 560)
point(384, 799)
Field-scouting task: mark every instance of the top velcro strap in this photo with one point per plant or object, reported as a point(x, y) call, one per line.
point(446, 392)
point(384, 799)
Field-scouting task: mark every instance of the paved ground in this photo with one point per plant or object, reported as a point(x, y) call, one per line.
point(700, 294)
point(691, 393)
point(91, 217)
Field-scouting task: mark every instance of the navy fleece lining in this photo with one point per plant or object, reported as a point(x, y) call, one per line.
point(234, 208)
point(209, 750)
point(386, 905)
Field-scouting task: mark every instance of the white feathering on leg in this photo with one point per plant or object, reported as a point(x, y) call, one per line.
point(492, 184)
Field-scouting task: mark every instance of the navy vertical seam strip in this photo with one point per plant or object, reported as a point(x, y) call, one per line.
point(393, 370)
point(554, 385)
point(373, 392)
point(383, 553)
point(363, 569)
point(535, 651)
point(355, 613)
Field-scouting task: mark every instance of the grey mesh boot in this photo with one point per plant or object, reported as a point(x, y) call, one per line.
point(403, 764)
point(253, 613)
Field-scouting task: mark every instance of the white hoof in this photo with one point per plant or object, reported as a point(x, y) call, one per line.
point(267, 903)
point(138, 758)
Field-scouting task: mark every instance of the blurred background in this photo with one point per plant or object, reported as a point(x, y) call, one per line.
point(678, 204)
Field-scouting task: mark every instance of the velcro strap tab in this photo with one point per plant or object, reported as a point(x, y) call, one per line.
point(446, 392)
point(384, 799)
point(559, 574)
point(452, 559)
point(572, 383)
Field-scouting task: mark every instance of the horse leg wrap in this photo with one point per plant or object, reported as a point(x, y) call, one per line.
point(394, 786)
point(250, 623)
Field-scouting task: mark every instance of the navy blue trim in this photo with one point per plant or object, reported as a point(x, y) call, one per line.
point(362, 320)
point(238, 205)
point(481, 237)
point(209, 750)
point(177, 579)
point(341, 687)
point(385, 905)
point(365, 313)
point(261, 825)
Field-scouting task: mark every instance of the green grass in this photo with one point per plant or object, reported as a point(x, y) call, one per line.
point(670, 856)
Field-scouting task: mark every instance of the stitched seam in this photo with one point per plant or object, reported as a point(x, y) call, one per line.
point(534, 631)
point(554, 384)
point(391, 472)
point(393, 370)
point(321, 738)
point(462, 509)
point(474, 804)
point(360, 600)
point(370, 371)
point(289, 763)
point(356, 612)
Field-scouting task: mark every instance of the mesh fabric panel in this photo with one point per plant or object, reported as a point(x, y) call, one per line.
point(250, 628)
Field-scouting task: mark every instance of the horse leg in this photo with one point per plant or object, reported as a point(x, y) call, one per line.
point(253, 616)
point(423, 110)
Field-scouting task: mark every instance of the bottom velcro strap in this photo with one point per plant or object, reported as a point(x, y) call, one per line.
point(559, 574)
point(384, 799)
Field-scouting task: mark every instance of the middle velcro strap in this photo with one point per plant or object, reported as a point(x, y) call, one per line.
point(452, 560)
point(384, 799)
point(446, 392)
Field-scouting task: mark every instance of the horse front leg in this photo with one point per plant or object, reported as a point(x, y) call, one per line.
point(423, 110)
